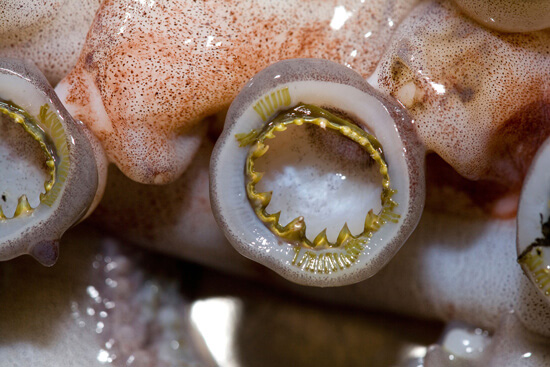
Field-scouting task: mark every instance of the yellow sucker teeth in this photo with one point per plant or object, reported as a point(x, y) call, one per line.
point(273, 218)
point(264, 198)
point(260, 149)
point(389, 217)
point(2, 216)
point(344, 235)
point(345, 130)
point(298, 223)
point(23, 207)
point(296, 229)
point(321, 241)
point(371, 220)
point(48, 186)
point(533, 260)
point(48, 120)
point(247, 138)
point(256, 177)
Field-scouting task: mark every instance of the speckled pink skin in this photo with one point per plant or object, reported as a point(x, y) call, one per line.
point(150, 71)
point(51, 33)
point(481, 99)
point(446, 272)
point(144, 93)
point(484, 133)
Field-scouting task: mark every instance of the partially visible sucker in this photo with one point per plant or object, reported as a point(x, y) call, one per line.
point(509, 15)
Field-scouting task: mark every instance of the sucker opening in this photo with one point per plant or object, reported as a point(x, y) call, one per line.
point(310, 165)
point(29, 161)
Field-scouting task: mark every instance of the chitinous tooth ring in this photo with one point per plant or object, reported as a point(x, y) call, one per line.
point(316, 175)
point(48, 173)
point(533, 222)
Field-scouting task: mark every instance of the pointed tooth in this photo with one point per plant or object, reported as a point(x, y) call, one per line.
point(344, 235)
point(274, 218)
point(256, 176)
point(264, 198)
point(280, 127)
point(2, 216)
point(296, 229)
point(46, 252)
point(48, 185)
point(23, 207)
point(297, 222)
point(371, 221)
point(259, 149)
point(321, 239)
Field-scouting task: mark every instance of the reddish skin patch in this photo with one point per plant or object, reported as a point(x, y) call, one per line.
point(512, 147)
point(161, 69)
point(517, 140)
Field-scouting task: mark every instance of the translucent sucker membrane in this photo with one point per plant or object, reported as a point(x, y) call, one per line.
point(533, 222)
point(316, 175)
point(48, 173)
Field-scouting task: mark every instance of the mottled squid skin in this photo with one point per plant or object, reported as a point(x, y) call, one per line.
point(508, 16)
point(51, 33)
point(485, 134)
point(150, 71)
point(182, 226)
point(148, 76)
point(145, 79)
point(480, 99)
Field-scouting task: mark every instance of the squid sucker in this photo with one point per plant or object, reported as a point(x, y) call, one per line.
point(378, 150)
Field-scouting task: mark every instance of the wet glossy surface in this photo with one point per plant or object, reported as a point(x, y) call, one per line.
point(105, 304)
point(148, 115)
point(72, 180)
point(34, 29)
point(480, 99)
point(452, 74)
